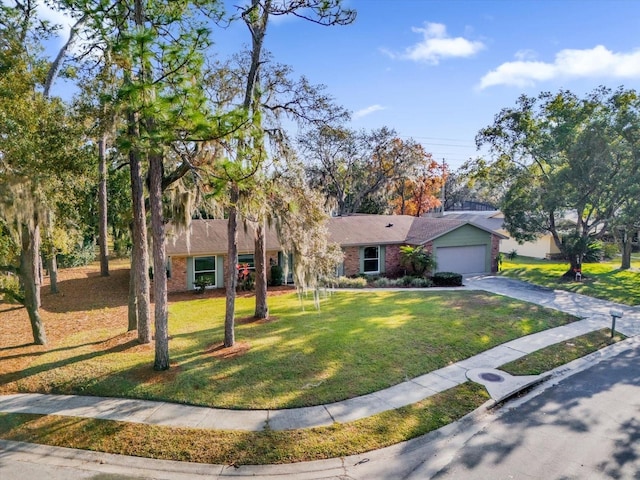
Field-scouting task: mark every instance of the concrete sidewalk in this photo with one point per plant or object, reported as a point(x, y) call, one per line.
point(594, 314)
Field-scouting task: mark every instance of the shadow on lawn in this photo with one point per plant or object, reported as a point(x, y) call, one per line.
point(37, 369)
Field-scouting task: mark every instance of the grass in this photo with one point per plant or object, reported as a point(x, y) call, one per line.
point(247, 448)
point(601, 280)
point(276, 447)
point(561, 353)
point(358, 343)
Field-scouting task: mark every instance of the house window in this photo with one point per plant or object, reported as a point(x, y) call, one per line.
point(204, 271)
point(371, 260)
point(248, 259)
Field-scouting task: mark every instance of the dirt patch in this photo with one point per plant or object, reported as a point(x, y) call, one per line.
point(218, 350)
point(149, 376)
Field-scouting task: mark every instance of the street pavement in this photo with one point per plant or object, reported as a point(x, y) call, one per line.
point(435, 454)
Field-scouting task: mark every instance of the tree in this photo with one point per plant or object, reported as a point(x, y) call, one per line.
point(419, 191)
point(353, 168)
point(247, 146)
point(301, 223)
point(560, 155)
point(159, 48)
point(36, 145)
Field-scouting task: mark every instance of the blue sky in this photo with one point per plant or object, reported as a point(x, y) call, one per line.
point(439, 70)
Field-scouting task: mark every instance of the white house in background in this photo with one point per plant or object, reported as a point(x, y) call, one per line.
point(543, 247)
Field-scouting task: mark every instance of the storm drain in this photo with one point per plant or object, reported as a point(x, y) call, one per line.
point(502, 385)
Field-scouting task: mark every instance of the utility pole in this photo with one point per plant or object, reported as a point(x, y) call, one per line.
point(442, 191)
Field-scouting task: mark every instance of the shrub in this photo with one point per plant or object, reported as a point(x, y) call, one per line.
point(277, 275)
point(420, 282)
point(513, 254)
point(594, 252)
point(610, 250)
point(345, 282)
point(203, 282)
point(81, 256)
point(419, 260)
point(447, 279)
point(383, 282)
point(10, 286)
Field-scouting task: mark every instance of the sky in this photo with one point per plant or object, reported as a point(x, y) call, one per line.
point(438, 71)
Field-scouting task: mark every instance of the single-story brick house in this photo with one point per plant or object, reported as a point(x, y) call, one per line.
point(371, 245)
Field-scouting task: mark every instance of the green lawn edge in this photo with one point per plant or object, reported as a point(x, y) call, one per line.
point(279, 447)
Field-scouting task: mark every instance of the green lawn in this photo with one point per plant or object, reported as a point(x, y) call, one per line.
point(358, 343)
point(268, 446)
point(601, 280)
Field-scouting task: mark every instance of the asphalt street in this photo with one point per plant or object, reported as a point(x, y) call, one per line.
point(586, 427)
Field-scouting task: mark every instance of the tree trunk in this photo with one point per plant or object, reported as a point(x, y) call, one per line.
point(53, 273)
point(37, 263)
point(231, 277)
point(102, 207)
point(133, 304)
point(625, 243)
point(140, 262)
point(159, 264)
point(260, 259)
point(29, 260)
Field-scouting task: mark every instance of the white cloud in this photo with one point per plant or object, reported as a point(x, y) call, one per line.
point(569, 63)
point(367, 111)
point(436, 45)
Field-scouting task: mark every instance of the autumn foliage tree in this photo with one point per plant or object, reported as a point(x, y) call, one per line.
point(418, 192)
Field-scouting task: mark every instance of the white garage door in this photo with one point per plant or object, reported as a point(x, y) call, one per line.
point(461, 259)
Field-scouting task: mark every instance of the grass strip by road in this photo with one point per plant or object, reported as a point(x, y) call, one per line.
point(277, 447)
point(553, 356)
point(247, 448)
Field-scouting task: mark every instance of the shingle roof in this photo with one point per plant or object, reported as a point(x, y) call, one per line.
point(209, 237)
point(369, 229)
point(425, 229)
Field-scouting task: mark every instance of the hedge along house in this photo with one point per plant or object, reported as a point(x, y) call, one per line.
point(371, 245)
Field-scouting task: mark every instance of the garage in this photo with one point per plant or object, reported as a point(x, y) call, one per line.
point(464, 259)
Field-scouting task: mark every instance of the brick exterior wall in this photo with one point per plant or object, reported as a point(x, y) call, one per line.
point(178, 280)
point(495, 250)
point(392, 267)
point(351, 261)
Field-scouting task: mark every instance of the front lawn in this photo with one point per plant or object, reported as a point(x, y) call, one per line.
point(601, 280)
point(358, 343)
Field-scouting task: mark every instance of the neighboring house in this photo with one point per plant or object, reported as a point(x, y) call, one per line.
point(543, 247)
point(371, 245)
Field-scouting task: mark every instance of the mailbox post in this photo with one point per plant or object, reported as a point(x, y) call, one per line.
point(615, 314)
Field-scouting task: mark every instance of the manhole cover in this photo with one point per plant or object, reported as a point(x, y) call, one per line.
point(491, 377)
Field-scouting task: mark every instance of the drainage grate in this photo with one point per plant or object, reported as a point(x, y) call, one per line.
point(491, 377)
